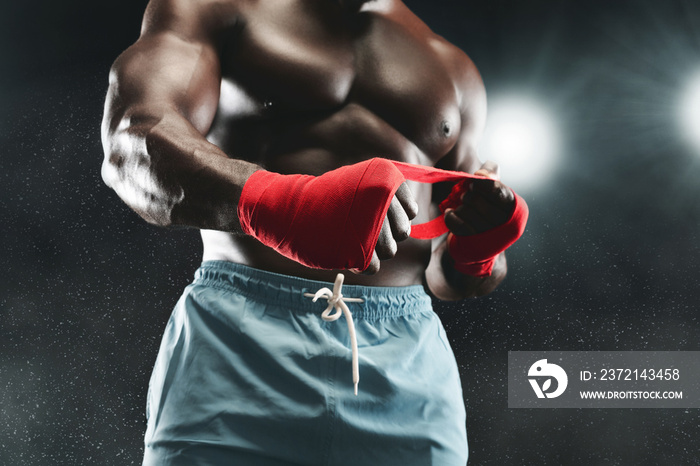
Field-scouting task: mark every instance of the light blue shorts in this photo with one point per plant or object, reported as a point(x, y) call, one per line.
point(248, 374)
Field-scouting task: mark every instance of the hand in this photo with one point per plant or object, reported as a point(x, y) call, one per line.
point(487, 204)
point(396, 228)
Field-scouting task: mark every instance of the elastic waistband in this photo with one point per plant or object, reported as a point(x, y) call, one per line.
point(287, 291)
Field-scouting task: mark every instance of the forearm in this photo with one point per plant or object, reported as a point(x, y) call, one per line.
point(448, 284)
point(168, 173)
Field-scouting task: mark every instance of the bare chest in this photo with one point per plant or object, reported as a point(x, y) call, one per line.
point(377, 77)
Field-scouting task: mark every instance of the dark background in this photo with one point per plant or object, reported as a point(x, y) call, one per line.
point(609, 260)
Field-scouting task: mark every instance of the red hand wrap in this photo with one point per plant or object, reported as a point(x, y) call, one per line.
point(473, 254)
point(476, 254)
point(333, 221)
point(330, 222)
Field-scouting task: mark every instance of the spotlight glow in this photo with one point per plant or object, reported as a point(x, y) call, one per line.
point(690, 111)
point(522, 138)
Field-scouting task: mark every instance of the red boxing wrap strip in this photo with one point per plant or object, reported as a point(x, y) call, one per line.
point(333, 221)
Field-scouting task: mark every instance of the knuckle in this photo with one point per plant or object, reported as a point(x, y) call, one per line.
point(500, 193)
point(505, 195)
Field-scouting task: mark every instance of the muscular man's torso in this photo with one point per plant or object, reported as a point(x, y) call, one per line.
point(308, 87)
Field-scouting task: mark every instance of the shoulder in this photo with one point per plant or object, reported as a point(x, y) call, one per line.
point(192, 20)
point(173, 28)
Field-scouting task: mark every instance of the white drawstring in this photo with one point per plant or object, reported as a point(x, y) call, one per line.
point(337, 300)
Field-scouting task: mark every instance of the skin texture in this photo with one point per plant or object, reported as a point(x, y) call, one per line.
point(214, 90)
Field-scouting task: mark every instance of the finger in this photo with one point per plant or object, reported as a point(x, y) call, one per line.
point(489, 169)
point(494, 192)
point(472, 217)
point(374, 265)
point(386, 245)
point(407, 201)
point(456, 225)
point(494, 214)
point(372, 268)
point(398, 220)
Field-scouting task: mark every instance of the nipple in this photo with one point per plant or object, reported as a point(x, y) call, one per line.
point(446, 128)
